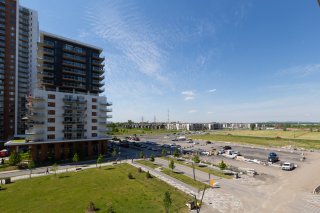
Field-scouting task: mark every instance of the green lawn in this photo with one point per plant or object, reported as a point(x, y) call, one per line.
point(178, 176)
point(204, 169)
point(263, 141)
point(297, 134)
point(71, 192)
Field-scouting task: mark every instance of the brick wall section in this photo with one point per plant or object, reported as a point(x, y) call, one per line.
point(44, 152)
point(57, 152)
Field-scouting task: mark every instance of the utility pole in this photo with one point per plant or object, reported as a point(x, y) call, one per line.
point(168, 116)
point(194, 174)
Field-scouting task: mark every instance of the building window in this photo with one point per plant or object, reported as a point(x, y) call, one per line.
point(94, 135)
point(51, 112)
point(51, 128)
point(51, 96)
point(51, 120)
point(94, 106)
point(94, 120)
point(94, 127)
point(94, 113)
point(51, 137)
point(94, 100)
point(51, 104)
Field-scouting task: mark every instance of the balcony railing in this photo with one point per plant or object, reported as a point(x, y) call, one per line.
point(78, 100)
point(74, 130)
point(75, 108)
point(109, 116)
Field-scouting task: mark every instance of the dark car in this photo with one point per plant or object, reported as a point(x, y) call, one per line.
point(273, 157)
point(226, 147)
point(208, 142)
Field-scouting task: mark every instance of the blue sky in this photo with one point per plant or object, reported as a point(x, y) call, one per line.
point(208, 60)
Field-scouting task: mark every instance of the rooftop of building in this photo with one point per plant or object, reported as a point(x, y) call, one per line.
point(70, 40)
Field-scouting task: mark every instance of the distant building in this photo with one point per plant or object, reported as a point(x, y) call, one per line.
point(18, 51)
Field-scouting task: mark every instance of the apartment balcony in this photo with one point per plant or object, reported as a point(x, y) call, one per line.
point(74, 86)
point(102, 115)
point(74, 57)
point(103, 130)
point(74, 100)
point(81, 108)
point(48, 66)
point(103, 109)
point(36, 122)
point(75, 138)
point(36, 114)
point(35, 132)
point(74, 71)
point(109, 116)
point(98, 76)
point(48, 82)
point(75, 115)
point(73, 130)
point(74, 122)
point(102, 122)
point(47, 74)
point(48, 51)
point(35, 105)
point(75, 50)
point(74, 78)
point(97, 69)
point(74, 64)
point(47, 43)
point(35, 98)
point(109, 109)
point(97, 57)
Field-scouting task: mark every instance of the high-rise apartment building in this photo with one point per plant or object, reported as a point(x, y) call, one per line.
point(66, 114)
point(18, 51)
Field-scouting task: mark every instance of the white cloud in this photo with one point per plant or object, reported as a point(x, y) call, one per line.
point(210, 112)
point(192, 111)
point(188, 98)
point(121, 25)
point(301, 71)
point(212, 90)
point(188, 93)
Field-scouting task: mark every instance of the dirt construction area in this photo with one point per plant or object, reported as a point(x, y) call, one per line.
point(270, 190)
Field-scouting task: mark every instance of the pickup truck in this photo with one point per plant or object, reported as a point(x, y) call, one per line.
point(273, 157)
point(287, 166)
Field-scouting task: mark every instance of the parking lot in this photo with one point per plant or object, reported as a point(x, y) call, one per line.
point(272, 189)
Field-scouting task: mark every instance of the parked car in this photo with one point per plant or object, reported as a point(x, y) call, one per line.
point(226, 148)
point(4, 153)
point(208, 142)
point(287, 166)
point(273, 157)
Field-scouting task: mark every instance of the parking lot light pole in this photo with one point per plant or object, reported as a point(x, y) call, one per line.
point(194, 175)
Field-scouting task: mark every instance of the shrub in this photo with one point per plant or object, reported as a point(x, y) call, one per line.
point(130, 176)
point(148, 175)
point(222, 165)
point(176, 153)
point(139, 170)
point(152, 158)
point(196, 159)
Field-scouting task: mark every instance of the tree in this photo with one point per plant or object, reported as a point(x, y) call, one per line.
point(141, 154)
point(252, 126)
point(100, 160)
point(54, 168)
point(130, 176)
point(14, 158)
point(31, 165)
point(152, 158)
point(196, 159)
point(222, 165)
point(75, 158)
point(163, 152)
point(167, 201)
point(171, 165)
point(176, 153)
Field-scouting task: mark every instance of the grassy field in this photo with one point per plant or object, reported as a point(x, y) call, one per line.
point(231, 136)
point(143, 131)
point(298, 134)
point(204, 169)
point(71, 192)
point(178, 176)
